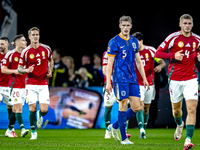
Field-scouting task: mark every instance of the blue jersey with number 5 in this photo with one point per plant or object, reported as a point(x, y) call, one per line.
point(124, 64)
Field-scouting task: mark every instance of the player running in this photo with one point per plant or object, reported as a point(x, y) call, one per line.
point(4, 89)
point(183, 47)
point(147, 55)
point(123, 51)
point(36, 57)
point(16, 81)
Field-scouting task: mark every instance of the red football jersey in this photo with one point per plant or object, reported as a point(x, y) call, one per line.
point(4, 78)
point(185, 69)
point(104, 63)
point(11, 61)
point(39, 59)
point(147, 58)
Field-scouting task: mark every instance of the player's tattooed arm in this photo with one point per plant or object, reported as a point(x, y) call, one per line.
point(22, 70)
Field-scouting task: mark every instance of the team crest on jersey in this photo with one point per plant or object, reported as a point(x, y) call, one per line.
point(180, 44)
point(194, 45)
point(31, 56)
point(134, 45)
point(15, 100)
point(43, 54)
point(16, 59)
point(147, 56)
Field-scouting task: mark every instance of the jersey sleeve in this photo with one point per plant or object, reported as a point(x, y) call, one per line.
point(22, 60)
point(164, 46)
point(105, 59)
point(112, 48)
point(137, 46)
point(6, 60)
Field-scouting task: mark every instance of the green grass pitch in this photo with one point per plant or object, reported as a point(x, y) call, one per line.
point(71, 139)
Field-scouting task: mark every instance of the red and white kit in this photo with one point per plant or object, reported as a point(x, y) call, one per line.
point(182, 74)
point(109, 100)
point(147, 57)
point(4, 89)
point(16, 82)
point(37, 84)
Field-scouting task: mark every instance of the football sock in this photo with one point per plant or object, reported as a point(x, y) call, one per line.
point(32, 119)
point(146, 118)
point(42, 113)
point(189, 131)
point(129, 114)
point(178, 121)
point(12, 120)
point(107, 116)
point(140, 119)
point(122, 124)
point(19, 119)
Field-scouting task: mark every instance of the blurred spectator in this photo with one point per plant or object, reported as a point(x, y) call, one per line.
point(69, 63)
point(60, 75)
point(92, 74)
point(97, 65)
point(81, 80)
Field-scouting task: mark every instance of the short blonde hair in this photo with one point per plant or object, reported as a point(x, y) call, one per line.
point(125, 18)
point(186, 16)
point(32, 29)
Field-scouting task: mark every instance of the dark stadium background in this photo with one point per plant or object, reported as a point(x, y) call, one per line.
point(85, 27)
point(82, 27)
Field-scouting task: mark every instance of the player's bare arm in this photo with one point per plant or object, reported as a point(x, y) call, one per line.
point(108, 74)
point(51, 63)
point(104, 70)
point(141, 70)
point(22, 70)
point(5, 70)
point(161, 65)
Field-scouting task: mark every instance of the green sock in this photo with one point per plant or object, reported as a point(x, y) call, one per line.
point(146, 118)
point(32, 119)
point(178, 121)
point(19, 119)
point(140, 119)
point(12, 120)
point(189, 131)
point(127, 122)
point(42, 113)
point(107, 116)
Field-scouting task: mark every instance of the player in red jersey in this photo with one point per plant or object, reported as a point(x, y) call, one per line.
point(147, 55)
point(183, 49)
point(4, 89)
point(36, 57)
point(16, 81)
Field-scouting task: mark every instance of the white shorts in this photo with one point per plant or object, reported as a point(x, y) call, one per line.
point(183, 89)
point(109, 100)
point(147, 96)
point(36, 93)
point(17, 95)
point(5, 94)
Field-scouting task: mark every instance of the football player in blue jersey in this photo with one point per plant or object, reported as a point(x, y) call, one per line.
point(123, 52)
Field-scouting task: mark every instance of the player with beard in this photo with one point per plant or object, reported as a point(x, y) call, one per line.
point(183, 48)
point(4, 89)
